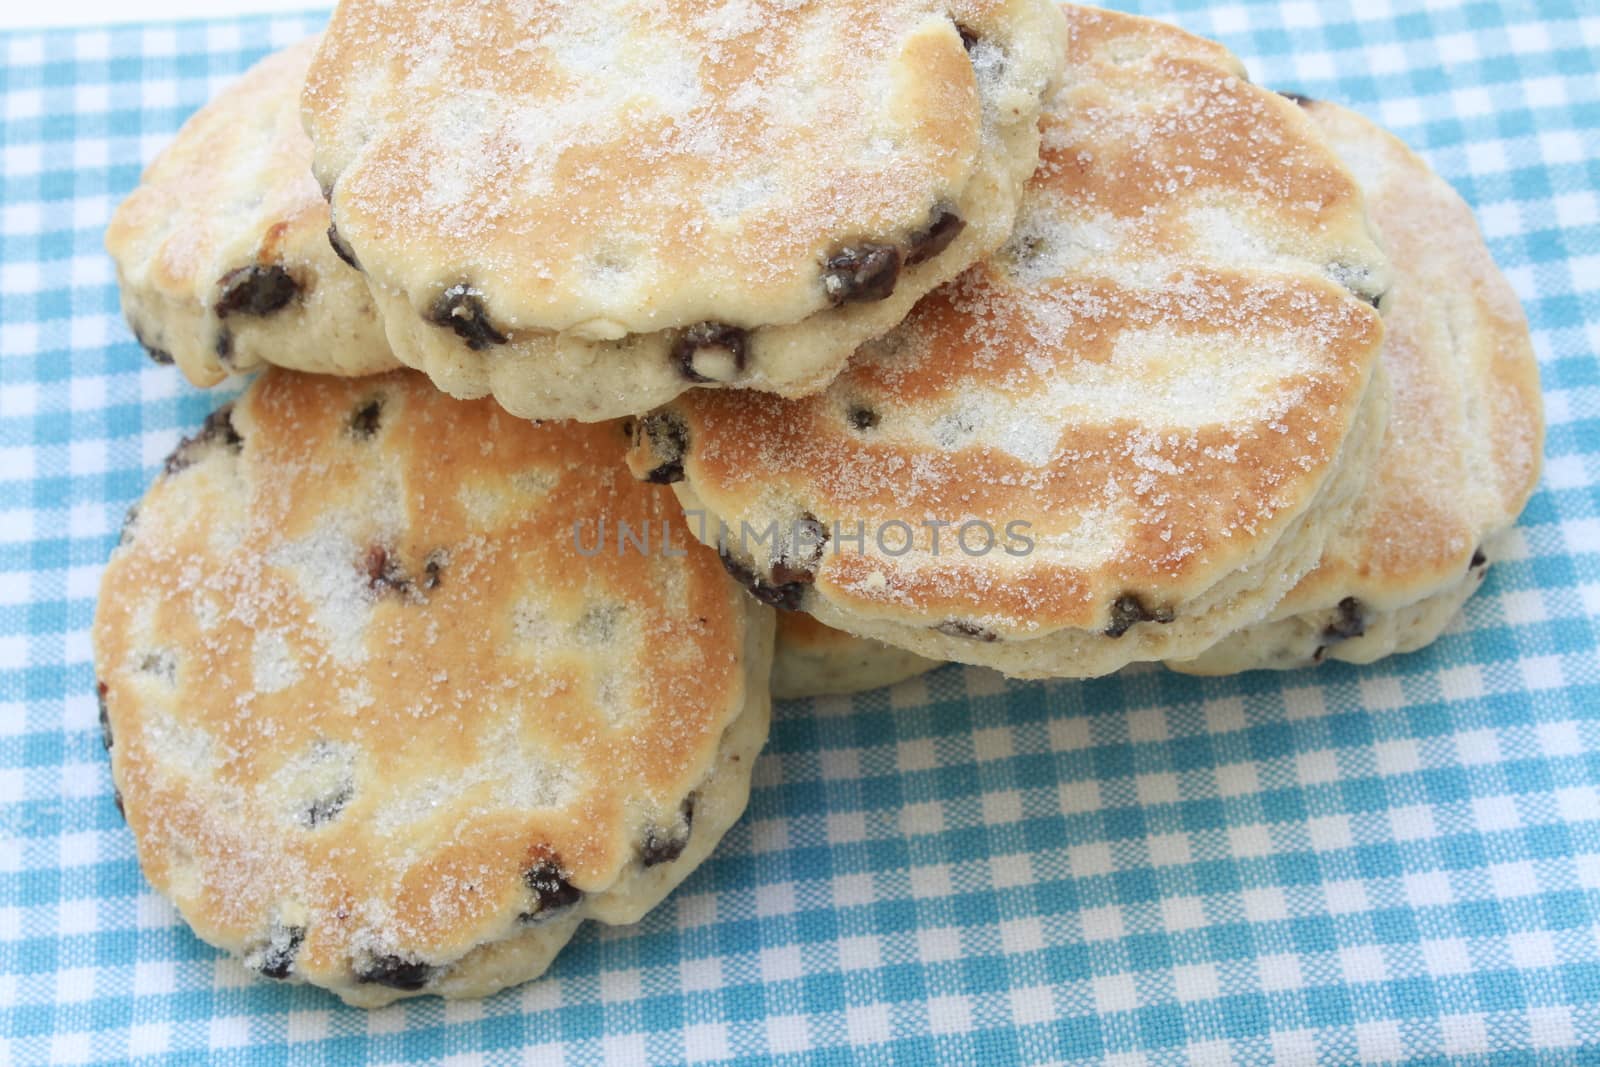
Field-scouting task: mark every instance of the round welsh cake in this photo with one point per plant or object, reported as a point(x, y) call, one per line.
point(1127, 433)
point(1465, 438)
point(585, 208)
point(378, 726)
point(222, 251)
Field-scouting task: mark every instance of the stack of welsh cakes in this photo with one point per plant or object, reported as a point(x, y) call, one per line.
point(604, 341)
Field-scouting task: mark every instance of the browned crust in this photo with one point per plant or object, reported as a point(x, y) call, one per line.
point(528, 219)
point(450, 683)
point(1153, 128)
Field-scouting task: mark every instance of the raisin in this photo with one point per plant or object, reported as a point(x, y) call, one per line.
point(1349, 621)
point(255, 291)
point(156, 354)
point(785, 597)
point(1358, 280)
point(396, 972)
point(669, 440)
point(384, 572)
point(106, 739)
point(1128, 610)
point(129, 522)
point(277, 958)
point(709, 336)
point(324, 809)
point(216, 430)
point(461, 308)
point(798, 564)
point(967, 630)
point(663, 845)
point(364, 423)
point(551, 890)
point(944, 229)
point(861, 273)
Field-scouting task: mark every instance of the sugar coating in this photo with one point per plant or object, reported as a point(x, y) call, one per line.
point(1162, 373)
point(605, 176)
point(1464, 445)
point(328, 719)
point(1246, 593)
point(1466, 442)
point(234, 191)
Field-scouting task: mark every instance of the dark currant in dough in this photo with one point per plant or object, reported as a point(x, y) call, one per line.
point(461, 308)
point(396, 972)
point(105, 719)
point(705, 337)
point(668, 440)
point(255, 291)
point(1349, 621)
point(862, 273)
point(944, 229)
point(277, 958)
point(551, 890)
point(1128, 610)
point(862, 418)
point(157, 354)
point(216, 431)
point(364, 422)
point(325, 809)
point(786, 596)
point(383, 571)
point(967, 630)
point(431, 570)
point(665, 844)
point(798, 563)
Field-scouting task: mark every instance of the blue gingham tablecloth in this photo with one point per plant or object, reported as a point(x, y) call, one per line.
point(1396, 863)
